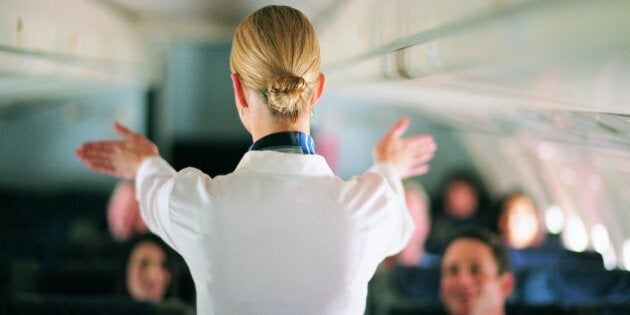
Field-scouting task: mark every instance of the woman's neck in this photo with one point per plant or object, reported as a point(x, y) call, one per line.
point(270, 125)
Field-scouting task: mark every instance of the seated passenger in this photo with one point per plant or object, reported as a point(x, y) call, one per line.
point(522, 231)
point(123, 212)
point(415, 254)
point(519, 223)
point(414, 272)
point(475, 277)
point(150, 273)
point(462, 201)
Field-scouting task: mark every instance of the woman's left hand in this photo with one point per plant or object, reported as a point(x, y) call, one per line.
point(118, 158)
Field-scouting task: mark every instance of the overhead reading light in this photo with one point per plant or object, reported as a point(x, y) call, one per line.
point(574, 236)
point(599, 235)
point(554, 219)
point(602, 244)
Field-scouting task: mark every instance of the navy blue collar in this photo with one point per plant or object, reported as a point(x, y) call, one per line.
point(288, 142)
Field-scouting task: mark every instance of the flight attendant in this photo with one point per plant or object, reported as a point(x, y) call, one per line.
point(281, 234)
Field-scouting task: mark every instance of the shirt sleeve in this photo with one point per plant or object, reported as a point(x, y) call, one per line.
point(400, 222)
point(154, 183)
point(391, 177)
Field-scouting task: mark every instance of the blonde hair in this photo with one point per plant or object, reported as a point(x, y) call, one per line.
point(275, 51)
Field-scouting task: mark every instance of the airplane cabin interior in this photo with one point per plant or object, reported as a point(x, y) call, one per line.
point(527, 96)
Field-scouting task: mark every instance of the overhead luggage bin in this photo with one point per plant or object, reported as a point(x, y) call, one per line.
point(528, 52)
point(61, 48)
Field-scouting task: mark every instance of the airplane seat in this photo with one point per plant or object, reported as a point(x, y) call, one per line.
point(34, 277)
point(5, 277)
point(417, 283)
point(5, 205)
point(62, 305)
point(581, 285)
point(620, 292)
point(538, 309)
point(47, 226)
point(581, 278)
point(528, 258)
point(57, 243)
point(84, 223)
point(511, 309)
point(30, 231)
point(544, 275)
point(586, 260)
point(83, 278)
point(392, 291)
point(422, 308)
point(599, 308)
point(533, 287)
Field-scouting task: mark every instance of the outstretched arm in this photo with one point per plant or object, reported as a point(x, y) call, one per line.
point(118, 158)
point(410, 155)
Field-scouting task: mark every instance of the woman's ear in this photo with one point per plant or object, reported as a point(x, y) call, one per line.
point(239, 93)
point(317, 92)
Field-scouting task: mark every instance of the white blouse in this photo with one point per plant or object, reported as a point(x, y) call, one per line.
point(280, 235)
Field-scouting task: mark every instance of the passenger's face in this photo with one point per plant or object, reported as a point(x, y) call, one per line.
point(470, 281)
point(461, 199)
point(147, 277)
point(519, 223)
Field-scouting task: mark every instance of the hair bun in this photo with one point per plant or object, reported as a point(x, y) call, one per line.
point(287, 84)
point(287, 95)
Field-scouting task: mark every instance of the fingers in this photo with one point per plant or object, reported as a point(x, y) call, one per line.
point(418, 163)
point(101, 166)
point(95, 159)
point(124, 131)
point(414, 169)
point(417, 151)
point(99, 155)
point(421, 140)
point(107, 167)
point(97, 146)
point(422, 158)
point(399, 128)
point(422, 145)
point(98, 150)
point(419, 170)
point(119, 158)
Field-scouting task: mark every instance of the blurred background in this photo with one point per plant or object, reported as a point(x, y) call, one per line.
point(526, 95)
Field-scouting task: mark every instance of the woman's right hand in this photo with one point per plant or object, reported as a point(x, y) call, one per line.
point(410, 155)
point(118, 158)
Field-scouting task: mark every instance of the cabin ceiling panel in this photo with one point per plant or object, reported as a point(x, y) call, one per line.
point(549, 55)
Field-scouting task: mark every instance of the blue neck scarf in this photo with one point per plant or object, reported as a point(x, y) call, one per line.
point(288, 142)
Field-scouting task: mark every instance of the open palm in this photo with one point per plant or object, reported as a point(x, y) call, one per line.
point(408, 155)
point(118, 158)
